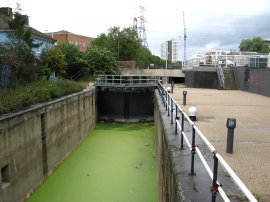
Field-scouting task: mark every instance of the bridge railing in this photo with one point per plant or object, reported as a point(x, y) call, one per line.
point(126, 81)
point(178, 117)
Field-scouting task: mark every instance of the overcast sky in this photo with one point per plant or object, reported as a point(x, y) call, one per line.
point(210, 24)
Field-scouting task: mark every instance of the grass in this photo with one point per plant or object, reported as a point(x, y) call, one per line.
point(115, 163)
point(40, 91)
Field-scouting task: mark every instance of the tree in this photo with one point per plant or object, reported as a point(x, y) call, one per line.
point(52, 60)
point(125, 45)
point(256, 44)
point(73, 58)
point(16, 53)
point(100, 61)
point(18, 57)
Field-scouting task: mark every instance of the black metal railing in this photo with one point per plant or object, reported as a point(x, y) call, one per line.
point(178, 117)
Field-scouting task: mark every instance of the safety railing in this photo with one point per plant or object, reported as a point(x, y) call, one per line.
point(178, 117)
point(221, 75)
point(126, 81)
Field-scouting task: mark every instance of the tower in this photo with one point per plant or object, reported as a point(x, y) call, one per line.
point(141, 28)
point(185, 36)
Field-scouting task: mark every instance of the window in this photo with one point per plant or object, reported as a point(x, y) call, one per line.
point(5, 176)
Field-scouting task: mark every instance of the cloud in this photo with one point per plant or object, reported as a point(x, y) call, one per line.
point(209, 23)
point(225, 31)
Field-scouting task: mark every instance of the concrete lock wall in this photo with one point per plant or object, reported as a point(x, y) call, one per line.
point(253, 80)
point(169, 185)
point(201, 79)
point(35, 141)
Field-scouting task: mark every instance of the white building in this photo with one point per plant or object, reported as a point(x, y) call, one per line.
point(170, 51)
point(217, 57)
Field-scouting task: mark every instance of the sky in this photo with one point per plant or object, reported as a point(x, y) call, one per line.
point(210, 24)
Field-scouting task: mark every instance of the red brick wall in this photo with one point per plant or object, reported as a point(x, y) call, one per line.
point(81, 41)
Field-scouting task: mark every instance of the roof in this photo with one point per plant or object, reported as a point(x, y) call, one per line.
point(4, 27)
point(62, 32)
point(42, 35)
point(68, 33)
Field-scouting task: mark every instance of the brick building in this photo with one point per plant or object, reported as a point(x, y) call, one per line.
point(81, 41)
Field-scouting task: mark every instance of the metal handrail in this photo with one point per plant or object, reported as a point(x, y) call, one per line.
point(173, 109)
point(126, 81)
point(221, 75)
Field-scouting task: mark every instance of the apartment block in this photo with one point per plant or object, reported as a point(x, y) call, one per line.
point(81, 41)
point(170, 51)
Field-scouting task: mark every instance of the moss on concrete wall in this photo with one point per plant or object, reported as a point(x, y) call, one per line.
point(35, 141)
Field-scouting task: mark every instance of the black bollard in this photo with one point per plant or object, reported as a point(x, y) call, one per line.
point(231, 124)
point(172, 85)
point(184, 98)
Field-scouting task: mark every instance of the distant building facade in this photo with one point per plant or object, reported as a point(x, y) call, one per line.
point(170, 51)
point(230, 58)
point(81, 41)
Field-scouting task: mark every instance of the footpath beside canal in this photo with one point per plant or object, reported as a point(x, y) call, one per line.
point(250, 158)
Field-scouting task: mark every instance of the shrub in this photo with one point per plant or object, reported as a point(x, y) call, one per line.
point(41, 91)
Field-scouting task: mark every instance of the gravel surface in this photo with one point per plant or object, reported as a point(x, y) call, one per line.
point(251, 155)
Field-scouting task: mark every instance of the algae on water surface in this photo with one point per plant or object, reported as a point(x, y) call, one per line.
point(115, 163)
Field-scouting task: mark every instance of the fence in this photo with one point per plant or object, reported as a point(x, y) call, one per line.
point(126, 81)
point(178, 117)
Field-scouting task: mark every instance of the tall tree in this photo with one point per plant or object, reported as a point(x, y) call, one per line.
point(52, 60)
point(73, 58)
point(256, 44)
point(125, 45)
point(100, 61)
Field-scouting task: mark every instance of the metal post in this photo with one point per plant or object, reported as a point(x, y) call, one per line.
point(171, 111)
point(184, 97)
point(214, 188)
point(172, 85)
point(169, 104)
point(176, 118)
point(163, 95)
point(166, 95)
point(182, 129)
point(193, 151)
point(231, 124)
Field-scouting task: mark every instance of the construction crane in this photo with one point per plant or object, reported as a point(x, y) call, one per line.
point(185, 37)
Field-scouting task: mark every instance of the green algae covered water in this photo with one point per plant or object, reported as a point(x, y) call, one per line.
point(116, 163)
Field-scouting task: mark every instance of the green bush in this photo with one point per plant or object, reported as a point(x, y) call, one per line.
point(41, 91)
